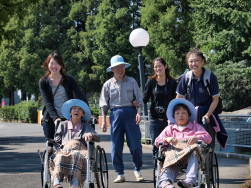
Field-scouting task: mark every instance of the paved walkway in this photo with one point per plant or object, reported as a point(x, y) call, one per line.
point(20, 164)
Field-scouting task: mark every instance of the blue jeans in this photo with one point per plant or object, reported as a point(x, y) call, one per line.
point(123, 122)
point(156, 127)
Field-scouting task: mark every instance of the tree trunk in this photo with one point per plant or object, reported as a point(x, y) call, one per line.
point(36, 97)
point(24, 95)
point(11, 101)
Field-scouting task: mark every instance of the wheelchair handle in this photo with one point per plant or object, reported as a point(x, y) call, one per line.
point(204, 121)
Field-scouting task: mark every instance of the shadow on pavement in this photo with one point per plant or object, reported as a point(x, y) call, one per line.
point(20, 140)
point(14, 162)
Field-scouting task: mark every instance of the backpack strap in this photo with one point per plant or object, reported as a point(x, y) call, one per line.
point(188, 79)
point(206, 80)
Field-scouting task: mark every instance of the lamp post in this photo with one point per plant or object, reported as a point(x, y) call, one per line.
point(139, 38)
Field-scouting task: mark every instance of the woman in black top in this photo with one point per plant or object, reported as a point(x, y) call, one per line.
point(56, 88)
point(160, 89)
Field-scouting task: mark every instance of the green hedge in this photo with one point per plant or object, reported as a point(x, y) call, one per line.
point(8, 113)
point(95, 112)
point(234, 80)
point(25, 111)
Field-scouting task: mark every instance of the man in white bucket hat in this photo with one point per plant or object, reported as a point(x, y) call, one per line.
point(118, 94)
point(117, 60)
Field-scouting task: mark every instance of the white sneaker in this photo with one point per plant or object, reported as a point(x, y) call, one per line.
point(138, 176)
point(119, 179)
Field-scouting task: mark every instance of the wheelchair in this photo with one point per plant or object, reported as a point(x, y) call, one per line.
point(96, 168)
point(208, 173)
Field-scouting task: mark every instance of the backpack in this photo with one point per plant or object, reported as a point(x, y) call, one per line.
point(206, 81)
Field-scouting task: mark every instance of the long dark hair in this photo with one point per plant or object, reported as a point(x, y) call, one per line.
point(58, 59)
point(167, 70)
point(197, 52)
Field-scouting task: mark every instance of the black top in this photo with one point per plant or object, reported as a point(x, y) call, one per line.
point(159, 95)
point(72, 91)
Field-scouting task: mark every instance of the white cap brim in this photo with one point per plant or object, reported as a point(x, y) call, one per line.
point(109, 69)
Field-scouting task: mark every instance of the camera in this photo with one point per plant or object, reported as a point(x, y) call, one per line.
point(160, 109)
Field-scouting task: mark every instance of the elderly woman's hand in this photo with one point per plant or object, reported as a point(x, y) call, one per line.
point(88, 137)
point(192, 140)
point(171, 140)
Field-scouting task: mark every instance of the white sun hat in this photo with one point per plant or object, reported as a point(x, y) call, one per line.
point(66, 108)
point(115, 61)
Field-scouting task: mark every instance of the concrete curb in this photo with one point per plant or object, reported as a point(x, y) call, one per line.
point(233, 155)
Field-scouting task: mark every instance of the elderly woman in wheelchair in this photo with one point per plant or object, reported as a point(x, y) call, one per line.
point(71, 136)
point(181, 140)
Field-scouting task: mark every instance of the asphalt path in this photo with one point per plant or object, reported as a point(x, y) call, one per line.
point(20, 163)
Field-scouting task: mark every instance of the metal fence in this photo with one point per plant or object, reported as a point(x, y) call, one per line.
point(238, 128)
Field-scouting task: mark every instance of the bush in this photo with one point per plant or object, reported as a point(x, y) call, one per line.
point(8, 113)
point(234, 80)
point(95, 112)
point(25, 111)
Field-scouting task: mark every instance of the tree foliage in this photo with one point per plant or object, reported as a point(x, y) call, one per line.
point(9, 9)
point(87, 33)
point(234, 80)
point(222, 29)
point(168, 24)
point(113, 24)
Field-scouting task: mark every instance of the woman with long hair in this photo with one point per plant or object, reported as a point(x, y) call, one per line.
point(56, 88)
point(160, 89)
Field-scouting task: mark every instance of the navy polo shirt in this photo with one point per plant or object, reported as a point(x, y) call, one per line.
point(198, 94)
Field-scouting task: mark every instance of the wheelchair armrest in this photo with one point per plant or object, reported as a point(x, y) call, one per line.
point(49, 140)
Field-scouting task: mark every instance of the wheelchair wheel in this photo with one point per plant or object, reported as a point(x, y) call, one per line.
point(215, 171)
point(212, 171)
point(96, 168)
point(101, 163)
point(45, 173)
point(155, 172)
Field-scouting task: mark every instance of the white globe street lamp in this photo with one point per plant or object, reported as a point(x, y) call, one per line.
point(139, 38)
